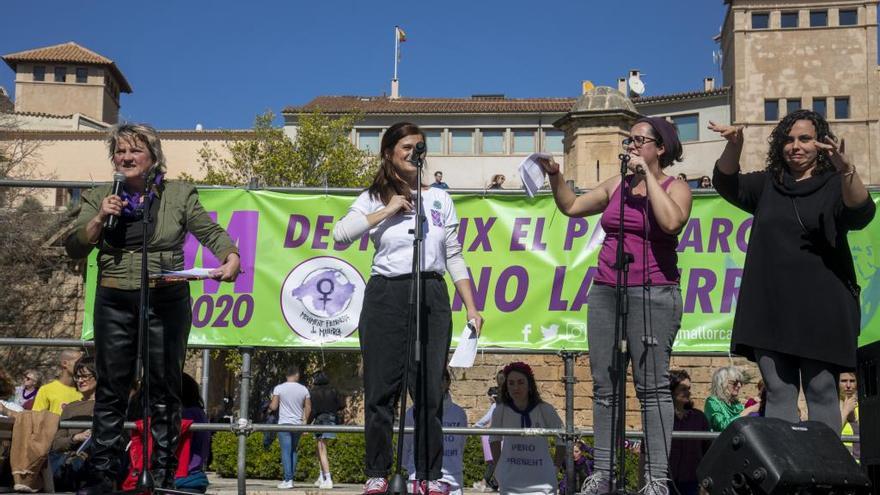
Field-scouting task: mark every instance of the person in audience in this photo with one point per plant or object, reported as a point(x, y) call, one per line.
point(7, 393)
point(723, 405)
point(705, 182)
point(54, 395)
point(488, 480)
point(193, 409)
point(453, 445)
point(849, 410)
point(496, 182)
point(293, 403)
point(583, 467)
point(67, 458)
point(685, 455)
point(327, 408)
point(762, 399)
point(682, 176)
point(438, 181)
point(27, 391)
point(523, 464)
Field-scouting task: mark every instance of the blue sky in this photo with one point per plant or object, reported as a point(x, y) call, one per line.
point(220, 63)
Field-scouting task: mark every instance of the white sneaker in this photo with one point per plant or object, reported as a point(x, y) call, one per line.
point(657, 486)
point(595, 484)
point(320, 480)
point(326, 484)
point(285, 485)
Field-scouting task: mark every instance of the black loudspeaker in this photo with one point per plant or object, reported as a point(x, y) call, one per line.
point(868, 380)
point(772, 456)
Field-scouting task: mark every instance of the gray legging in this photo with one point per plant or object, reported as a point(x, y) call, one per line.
point(653, 321)
point(783, 375)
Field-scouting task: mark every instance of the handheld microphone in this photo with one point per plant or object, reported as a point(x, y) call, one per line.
point(418, 153)
point(118, 180)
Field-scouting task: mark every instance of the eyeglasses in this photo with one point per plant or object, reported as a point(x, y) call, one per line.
point(736, 383)
point(83, 377)
point(26, 377)
point(639, 141)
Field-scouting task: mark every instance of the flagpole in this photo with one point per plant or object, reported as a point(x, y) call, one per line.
point(396, 50)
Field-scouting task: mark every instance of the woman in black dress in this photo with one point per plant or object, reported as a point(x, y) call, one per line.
point(797, 314)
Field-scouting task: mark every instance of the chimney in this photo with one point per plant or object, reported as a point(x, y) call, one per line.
point(395, 89)
point(708, 84)
point(621, 84)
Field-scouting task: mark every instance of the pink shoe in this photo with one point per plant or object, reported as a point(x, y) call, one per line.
point(376, 486)
point(438, 487)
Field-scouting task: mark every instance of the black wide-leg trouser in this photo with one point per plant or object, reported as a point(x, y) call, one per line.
point(116, 346)
point(384, 328)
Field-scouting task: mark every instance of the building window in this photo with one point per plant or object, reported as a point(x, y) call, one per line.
point(841, 107)
point(523, 141)
point(553, 141)
point(818, 18)
point(368, 140)
point(688, 127)
point(771, 110)
point(760, 20)
point(789, 20)
point(60, 74)
point(39, 73)
point(848, 17)
point(434, 141)
point(493, 142)
point(792, 104)
point(462, 141)
point(820, 106)
point(82, 75)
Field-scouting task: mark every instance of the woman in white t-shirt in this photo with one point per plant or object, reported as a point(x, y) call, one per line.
point(387, 211)
point(523, 464)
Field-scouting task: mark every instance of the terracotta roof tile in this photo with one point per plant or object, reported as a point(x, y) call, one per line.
point(477, 104)
point(681, 96)
point(385, 105)
point(69, 52)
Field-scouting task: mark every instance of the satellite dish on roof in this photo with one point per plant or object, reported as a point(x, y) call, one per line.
point(636, 85)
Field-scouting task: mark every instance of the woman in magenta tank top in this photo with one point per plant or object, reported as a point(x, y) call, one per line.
point(656, 208)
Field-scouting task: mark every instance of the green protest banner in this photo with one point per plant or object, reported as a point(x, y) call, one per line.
point(531, 269)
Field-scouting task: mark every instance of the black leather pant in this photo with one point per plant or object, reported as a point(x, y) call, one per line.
point(116, 345)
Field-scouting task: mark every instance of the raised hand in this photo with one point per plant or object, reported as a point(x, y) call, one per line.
point(732, 133)
point(836, 153)
point(549, 165)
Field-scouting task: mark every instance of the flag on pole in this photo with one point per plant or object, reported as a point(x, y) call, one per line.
point(401, 35)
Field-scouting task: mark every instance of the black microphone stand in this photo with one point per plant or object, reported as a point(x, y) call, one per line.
point(145, 480)
point(146, 483)
point(619, 362)
point(398, 483)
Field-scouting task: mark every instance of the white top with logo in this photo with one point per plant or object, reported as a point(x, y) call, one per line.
point(453, 447)
point(525, 465)
point(292, 397)
point(394, 242)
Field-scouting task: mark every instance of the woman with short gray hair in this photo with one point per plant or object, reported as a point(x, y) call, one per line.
point(173, 210)
point(723, 405)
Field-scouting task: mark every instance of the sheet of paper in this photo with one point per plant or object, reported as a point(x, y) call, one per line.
point(192, 274)
point(532, 174)
point(466, 350)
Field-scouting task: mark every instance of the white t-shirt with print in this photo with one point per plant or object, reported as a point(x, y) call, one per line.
point(393, 240)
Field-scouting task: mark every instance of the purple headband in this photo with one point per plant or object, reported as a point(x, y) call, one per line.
point(668, 137)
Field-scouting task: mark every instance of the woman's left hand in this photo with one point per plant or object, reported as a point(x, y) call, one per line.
point(228, 271)
point(477, 318)
point(836, 153)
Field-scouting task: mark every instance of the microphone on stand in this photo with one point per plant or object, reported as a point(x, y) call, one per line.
point(417, 156)
point(118, 181)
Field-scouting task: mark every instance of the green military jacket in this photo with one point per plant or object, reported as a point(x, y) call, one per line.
point(179, 212)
